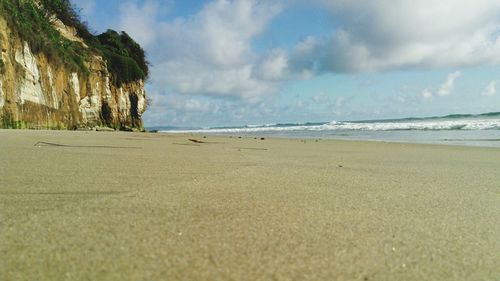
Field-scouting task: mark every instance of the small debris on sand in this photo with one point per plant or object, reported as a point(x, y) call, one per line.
point(250, 148)
point(196, 141)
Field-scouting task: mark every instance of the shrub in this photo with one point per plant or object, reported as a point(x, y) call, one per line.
point(126, 59)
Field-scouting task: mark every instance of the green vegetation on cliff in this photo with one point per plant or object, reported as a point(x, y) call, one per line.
point(125, 57)
point(32, 21)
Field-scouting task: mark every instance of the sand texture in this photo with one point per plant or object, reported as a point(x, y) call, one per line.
point(137, 206)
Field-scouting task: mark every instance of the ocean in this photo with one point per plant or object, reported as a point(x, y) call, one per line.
point(459, 129)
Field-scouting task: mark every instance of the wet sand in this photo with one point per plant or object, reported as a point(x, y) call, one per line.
point(136, 206)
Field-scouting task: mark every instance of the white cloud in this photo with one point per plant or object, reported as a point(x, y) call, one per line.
point(490, 90)
point(274, 66)
point(401, 34)
point(195, 78)
point(445, 89)
point(210, 53)
point(328, 104)
point(427, 94)
point(321, 98)
point(449, 85)
point(339, 102)
point(181, 109)
point(141, 20)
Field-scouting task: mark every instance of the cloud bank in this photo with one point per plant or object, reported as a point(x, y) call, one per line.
point(211, 53)
point(404, 34)
point(207, 61)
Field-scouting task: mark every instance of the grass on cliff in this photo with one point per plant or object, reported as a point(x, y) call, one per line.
point(32, 22)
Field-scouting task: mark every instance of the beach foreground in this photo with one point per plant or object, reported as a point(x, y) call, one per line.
point(138, 206)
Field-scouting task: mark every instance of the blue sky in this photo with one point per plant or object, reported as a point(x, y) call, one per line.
point(236, 62)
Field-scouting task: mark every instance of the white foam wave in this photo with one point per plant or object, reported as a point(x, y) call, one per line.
point(427, 125)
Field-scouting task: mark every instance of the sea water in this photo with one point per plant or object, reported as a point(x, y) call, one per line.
point(472, 130)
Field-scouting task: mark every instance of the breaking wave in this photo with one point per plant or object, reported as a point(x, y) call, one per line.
point(428, 124)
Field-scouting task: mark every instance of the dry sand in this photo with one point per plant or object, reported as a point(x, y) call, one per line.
point(159, 207)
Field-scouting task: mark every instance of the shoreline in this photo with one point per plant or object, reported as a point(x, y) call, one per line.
point(114, 206)
point(446, 142)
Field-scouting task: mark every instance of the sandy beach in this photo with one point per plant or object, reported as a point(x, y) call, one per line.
point(141, 206)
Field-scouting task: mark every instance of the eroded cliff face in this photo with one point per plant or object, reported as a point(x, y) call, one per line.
point(35, 93)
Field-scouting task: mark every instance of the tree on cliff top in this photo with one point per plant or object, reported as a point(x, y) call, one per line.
point(125, 56)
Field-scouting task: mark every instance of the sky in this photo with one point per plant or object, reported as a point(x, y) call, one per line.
point(239, 62)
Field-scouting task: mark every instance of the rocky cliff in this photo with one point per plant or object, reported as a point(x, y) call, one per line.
point(38, 91)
